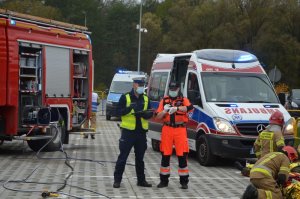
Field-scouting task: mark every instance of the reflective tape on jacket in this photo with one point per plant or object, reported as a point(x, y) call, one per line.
point(269, 195)
point(263, 169)
point(129, 120)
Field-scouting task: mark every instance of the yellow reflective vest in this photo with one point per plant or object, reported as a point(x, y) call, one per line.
point(129, 120)
point(268, 141)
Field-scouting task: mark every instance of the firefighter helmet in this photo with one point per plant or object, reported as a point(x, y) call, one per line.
point(291, 153)
point(277, 118)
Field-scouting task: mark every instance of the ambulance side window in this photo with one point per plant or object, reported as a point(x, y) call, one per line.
point(193, 92)
point(158, 85)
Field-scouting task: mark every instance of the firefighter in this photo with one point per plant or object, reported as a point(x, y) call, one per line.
point(271, 139)
point(95, 104)
point(269, 174)
point(173, 111)
point(133, 108)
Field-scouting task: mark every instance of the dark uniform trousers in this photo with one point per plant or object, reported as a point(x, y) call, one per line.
point(128, 140)
point(182, 163)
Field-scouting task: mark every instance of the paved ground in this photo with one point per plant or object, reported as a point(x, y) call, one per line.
point(26, 176)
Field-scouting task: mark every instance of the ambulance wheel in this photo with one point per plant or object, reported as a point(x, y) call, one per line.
point(108, 117)
point(205, 157)
point(58, 132)
point(155, 145)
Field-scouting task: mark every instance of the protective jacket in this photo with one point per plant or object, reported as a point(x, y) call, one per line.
point(265, 172)
point(269, 140)
point(179, 116)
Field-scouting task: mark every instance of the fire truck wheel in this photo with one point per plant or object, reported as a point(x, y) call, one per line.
point(55, 144)
point(155, 145)
point(108, 117)
point(205, 157)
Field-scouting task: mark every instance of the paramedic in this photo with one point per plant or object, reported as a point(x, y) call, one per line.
point(173, 111)
point(134, 111)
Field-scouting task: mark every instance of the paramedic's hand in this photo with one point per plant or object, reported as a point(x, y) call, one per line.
point(173, 110)
point(167, 108)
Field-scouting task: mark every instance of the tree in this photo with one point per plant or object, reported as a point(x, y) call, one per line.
point(33, 7)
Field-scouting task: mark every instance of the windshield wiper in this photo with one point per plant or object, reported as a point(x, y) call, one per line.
point(259, 101)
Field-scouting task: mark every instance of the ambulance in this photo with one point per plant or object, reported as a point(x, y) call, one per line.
point(120, 84)
point(233, 99)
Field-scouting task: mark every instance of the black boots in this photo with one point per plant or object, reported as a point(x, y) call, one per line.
point(162, 184)
point(250, 192)
point(116, 184)
point(144, 184)
point(238, 165)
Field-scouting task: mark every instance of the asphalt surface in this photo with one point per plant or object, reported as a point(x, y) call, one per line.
point(24, 175)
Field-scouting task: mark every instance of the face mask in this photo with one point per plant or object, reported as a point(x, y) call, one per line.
point(140, 90)
point(173, 93)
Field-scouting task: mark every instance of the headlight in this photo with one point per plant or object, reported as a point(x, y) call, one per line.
point(294, 105)
point(223, 125)
point(288, 128)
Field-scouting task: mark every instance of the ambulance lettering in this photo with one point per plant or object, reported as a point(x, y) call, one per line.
point(249, 110)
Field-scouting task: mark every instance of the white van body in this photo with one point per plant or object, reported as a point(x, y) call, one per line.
point(120, 84)
point(232, 95)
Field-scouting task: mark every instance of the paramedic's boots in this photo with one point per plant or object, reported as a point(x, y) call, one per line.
point(250, 192)
point(164, 181)
point(162, 184)
point(184, 180)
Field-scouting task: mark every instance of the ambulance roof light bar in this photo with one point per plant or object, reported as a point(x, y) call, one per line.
point(225, 55)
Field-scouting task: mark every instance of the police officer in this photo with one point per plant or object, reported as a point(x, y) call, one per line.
point(133, 108)
point(270, 172)
point(270, 139)
point(95, 104)
point(173, 111)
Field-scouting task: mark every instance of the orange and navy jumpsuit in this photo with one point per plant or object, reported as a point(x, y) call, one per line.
point(174, 133)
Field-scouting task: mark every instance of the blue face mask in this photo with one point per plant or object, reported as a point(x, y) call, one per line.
point(140, 90)
point(173, 93)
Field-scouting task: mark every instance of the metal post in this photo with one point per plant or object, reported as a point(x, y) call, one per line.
point(139, 47)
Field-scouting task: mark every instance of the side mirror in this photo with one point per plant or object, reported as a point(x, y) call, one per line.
point(281, 97)
point(106, 91)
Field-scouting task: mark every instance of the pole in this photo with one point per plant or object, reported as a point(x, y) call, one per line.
point(139, 47)
point(274, 74)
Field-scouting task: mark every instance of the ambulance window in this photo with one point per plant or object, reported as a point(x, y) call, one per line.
point(158, 85)
point(193, 92)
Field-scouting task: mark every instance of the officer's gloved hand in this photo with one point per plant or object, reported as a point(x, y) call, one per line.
point(172, 110)
point(138, 114)
point(281, 179)
point(147, 114)
point(167, 108)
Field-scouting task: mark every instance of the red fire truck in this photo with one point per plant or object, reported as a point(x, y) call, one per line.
point(45, 79)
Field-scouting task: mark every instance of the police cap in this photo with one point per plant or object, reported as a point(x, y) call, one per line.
point(139, 80)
